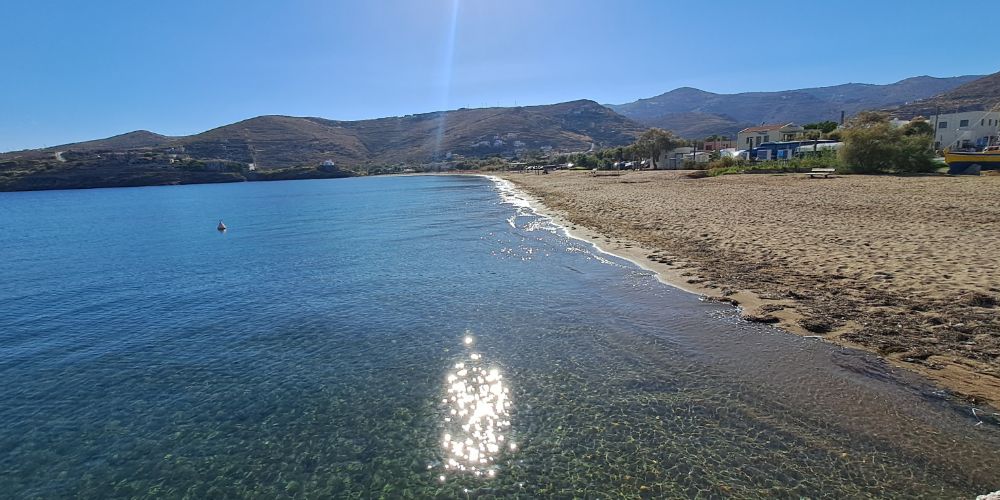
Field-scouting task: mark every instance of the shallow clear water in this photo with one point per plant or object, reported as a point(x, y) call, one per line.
point(331, 343)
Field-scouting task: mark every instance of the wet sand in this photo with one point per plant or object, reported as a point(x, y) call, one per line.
point(904, 267)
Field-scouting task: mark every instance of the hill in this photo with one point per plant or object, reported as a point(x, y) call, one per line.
point(982, 94)
point(695, 125)
point(293, 147)
point(695, 113)
point(282, 141)
point(131, 140)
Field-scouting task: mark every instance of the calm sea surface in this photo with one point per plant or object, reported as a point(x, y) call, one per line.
point(415, 337)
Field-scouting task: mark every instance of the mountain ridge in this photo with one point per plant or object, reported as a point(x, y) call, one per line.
point(982, 94)
point(679, 109)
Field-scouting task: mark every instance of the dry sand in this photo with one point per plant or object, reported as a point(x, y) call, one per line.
point(905, 267)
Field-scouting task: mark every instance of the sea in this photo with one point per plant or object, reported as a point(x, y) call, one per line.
point(419, 337)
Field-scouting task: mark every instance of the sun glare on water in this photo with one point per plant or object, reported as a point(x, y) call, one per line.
point(477, 408)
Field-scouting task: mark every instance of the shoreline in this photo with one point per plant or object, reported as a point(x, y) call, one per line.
point(962, 381)
point(751, 306)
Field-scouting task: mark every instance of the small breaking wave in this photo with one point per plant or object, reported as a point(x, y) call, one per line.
point(511, 195)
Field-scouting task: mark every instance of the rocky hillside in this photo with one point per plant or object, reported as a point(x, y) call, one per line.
point(982, 94)
point(280, 141)
point(293, 147)
point(132, 140)
point(695, 113)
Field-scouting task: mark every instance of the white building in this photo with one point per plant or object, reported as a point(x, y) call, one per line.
point(675, 158)
point(752, 137)
point(966, 130)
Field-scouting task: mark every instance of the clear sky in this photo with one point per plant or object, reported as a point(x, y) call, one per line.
point(74, 70)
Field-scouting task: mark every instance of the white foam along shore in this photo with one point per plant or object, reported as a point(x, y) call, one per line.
point(675, 274)
point(628, 251)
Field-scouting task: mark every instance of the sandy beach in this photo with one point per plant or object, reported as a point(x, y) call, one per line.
point(906, 267)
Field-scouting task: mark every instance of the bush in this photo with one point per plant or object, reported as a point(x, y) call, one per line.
point(823, 159)
point(872, 145)
point(726, 166)
point(725, 162)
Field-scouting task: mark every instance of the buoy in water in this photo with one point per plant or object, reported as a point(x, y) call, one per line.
point(222, 227)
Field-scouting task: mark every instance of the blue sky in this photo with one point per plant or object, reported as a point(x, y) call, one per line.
point(74, 70)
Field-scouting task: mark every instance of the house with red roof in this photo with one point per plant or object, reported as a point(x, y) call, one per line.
point(752, 137)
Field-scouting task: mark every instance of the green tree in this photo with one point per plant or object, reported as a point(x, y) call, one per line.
point(655, 141)
point(919, 127)
point(812, 134)
point(585, 160)
point(872, 145)
point(824, 127)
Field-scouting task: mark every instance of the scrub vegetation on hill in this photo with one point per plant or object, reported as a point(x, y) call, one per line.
point(269, 147)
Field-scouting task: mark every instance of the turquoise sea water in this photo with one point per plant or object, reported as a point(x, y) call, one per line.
point(417, 337)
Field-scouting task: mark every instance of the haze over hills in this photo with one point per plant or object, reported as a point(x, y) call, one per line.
point(695, 113)
point(978, 95)
point(282, 145)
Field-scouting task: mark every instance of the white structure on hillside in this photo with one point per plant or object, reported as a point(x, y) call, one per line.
point(965, 130)
point(897, 123)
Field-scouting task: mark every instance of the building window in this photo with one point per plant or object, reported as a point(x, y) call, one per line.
point(982, 122)
point(767, 138)
point(963, 123)
point(943, 125)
